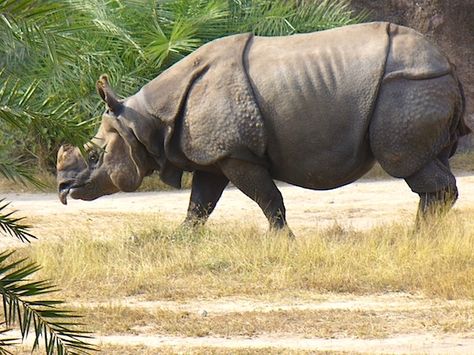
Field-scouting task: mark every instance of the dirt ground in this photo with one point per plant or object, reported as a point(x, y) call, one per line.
point(359, 205)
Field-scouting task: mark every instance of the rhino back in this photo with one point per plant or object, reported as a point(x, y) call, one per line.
point(316, 93)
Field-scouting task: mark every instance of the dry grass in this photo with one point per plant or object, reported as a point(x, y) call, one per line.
point(154, 260)
point(47, 179)
point(154, 183)
point(165, 262)
point(463, 162)
point(312, 323)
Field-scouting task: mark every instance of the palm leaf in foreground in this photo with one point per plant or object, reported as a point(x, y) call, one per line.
point(6, 342)
point(21, 304)
point(12, 226)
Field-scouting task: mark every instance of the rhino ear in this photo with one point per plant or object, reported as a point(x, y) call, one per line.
point(107, 94)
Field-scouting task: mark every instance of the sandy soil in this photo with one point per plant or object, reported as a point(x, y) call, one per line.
point(359, 205)
point(403, 344)
point(412, 343)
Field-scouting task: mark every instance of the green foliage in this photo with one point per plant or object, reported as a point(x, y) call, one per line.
point(11, 225)
point(52, 52)
point(275, 18)
point(21, 304)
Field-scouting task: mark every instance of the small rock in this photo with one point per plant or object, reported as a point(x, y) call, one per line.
point(203, 313)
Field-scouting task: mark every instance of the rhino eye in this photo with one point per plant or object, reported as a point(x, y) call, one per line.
point(93, 157)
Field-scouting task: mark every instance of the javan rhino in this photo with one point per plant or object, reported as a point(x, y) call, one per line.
point(314, 110)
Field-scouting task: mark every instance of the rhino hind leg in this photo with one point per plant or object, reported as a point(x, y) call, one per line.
point(255, 181)
point(412, 122)
point(410, 136)
point(436, 186)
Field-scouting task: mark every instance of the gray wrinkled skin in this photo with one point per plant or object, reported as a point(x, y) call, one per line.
point(314, 110)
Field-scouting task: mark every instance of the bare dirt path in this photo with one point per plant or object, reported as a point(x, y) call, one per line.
point(392, 304)
point(402, 344)
point(360, 205)
point(382, 302)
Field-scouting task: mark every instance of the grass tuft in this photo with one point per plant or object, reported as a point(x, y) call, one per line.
point(166, 262)
point(329, 323)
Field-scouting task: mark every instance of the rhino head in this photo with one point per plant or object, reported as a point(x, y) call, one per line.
point(115, 159)
point(136, 137)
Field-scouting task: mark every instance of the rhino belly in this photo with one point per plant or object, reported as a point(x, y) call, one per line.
point(312, 147)
point(317, 161)
point(316, 93)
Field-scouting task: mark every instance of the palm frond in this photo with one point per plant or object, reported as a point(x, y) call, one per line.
point(6, 341)
point(22, 110)
point(276, 18)
point(209, 19)
point(21, 305)
point(325, 14)
point(176, 45)
point(52, 52)
point(29, 32)
point(17, 170)
point(268, 18)
point(12, 225)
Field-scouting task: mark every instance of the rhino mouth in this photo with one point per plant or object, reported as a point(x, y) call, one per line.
point(63, 196)
point(65, 190)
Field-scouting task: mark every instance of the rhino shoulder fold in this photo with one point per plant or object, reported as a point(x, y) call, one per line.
point(221, 117)
point(412, 56)
point(208, 98)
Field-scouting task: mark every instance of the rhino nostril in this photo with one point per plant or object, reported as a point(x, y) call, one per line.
point(64, 185)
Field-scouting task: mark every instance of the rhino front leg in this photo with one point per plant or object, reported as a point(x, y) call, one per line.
point(206, 190)
point(255, 181)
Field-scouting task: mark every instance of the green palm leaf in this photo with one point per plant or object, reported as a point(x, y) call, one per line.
point(21, 304)
point(11, 225)
point(56, 50)
point(22, 112)
point(6, 342)
point(51, 54)
point(176, 45)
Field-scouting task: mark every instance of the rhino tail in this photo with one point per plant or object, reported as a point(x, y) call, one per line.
point(462, 128)
point(459, 127)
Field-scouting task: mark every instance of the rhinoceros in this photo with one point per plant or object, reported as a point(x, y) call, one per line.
point(314, 110)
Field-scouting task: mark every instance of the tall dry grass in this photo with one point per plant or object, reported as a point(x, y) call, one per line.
point(162, 261)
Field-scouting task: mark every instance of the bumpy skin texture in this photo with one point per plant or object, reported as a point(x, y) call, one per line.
point(404, 137)
point(208, 95)
point(314, 110)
